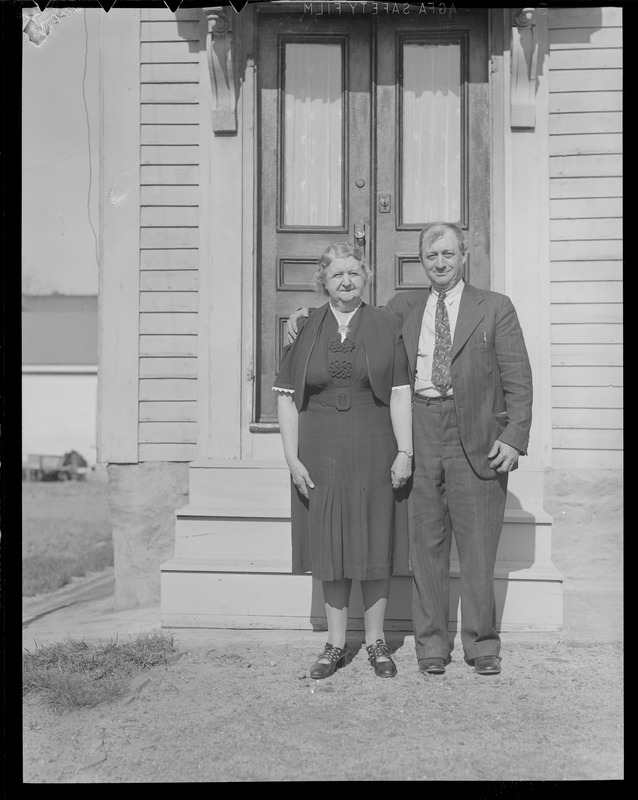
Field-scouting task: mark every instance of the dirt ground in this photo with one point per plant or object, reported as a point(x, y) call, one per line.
point(236, 707)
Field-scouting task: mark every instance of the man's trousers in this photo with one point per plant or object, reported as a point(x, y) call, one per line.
point(447, 497)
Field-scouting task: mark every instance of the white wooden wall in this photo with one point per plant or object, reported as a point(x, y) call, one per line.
point(585, 82)
point(169, 200)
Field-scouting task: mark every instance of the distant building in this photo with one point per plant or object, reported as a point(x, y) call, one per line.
point(59, 375)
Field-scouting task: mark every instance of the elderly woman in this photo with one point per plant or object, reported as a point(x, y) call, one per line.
point(345, 417)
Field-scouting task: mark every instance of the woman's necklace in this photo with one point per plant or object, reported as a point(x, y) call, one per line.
point(343, 318)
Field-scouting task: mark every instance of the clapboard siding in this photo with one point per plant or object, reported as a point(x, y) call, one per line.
point(585, 146)
point(169, 259)
point(586, 229)
point(169, 154)
point(156, 134)
point(586, 208)
point(171, 389)
point(594, 122)
point(591, 250)
point(168, 345)
point(169, 432)
point(169, 114)
point(585, 143)
point(573, 398)
point(184, 280)
point(584, 101)
point(585, 187)
point(587, 333)
point(163, 195)
point(594, 418)
point(170, 324)
point(587, 355)
point(161, 216)
point(586, 271)
point(168, 302)
point(170, 51)
point(159, 367)
point(159, 411)
point(170, 73)
point(586, 292)
point(168, 238)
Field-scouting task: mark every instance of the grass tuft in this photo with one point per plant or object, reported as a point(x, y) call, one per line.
point(75, 674)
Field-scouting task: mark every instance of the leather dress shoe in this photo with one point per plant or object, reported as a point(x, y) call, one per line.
point(487, 665)
point(336, 658)
point(432, 665)
point(382, 669)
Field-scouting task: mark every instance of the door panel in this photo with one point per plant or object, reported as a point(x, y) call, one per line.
point(432, 147)
point(369, 126)
point(314, 148)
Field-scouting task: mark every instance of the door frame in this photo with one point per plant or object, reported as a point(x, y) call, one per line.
point(519, 211)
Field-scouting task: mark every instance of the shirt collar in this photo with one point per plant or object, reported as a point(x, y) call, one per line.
point(450, 296)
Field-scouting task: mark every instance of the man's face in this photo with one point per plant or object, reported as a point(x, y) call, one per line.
point(443, 262)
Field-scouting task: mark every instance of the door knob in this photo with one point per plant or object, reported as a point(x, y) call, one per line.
point(360, 233)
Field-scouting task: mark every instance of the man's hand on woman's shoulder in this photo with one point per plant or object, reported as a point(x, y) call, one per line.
point(293, 323)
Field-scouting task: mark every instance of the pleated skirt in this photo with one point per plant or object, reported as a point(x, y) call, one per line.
point(354, 525)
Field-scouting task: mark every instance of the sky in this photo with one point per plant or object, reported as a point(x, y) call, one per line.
point(60, 166)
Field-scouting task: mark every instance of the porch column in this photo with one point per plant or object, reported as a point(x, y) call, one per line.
point(220, 268)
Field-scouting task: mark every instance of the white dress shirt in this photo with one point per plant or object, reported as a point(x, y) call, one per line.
point(423, 382)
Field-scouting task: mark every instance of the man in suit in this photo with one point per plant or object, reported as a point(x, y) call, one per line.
point(471, 419)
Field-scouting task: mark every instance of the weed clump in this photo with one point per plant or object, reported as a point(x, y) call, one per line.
point(74, 674)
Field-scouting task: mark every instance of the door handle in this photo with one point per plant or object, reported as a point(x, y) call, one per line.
point(360, 233)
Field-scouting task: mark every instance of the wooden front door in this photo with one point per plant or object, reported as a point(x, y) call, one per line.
point(369, 128)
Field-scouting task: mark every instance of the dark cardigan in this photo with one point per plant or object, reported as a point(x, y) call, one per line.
point(379, 329)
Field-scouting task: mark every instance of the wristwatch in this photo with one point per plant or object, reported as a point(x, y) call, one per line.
point(408, 453)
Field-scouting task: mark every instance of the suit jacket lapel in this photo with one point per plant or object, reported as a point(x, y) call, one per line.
point(412, 330)
point(470, 314)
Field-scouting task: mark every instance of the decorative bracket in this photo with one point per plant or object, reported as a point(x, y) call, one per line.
point(524, 66)
point(220, 52)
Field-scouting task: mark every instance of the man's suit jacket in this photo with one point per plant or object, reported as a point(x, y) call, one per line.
point(491, 373)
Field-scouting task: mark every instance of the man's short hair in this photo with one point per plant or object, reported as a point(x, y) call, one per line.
point(430, 233)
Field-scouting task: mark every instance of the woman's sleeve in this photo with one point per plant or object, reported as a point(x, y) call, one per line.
point(285, 380)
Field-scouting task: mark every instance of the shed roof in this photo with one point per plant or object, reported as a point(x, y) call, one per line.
point(59, 329)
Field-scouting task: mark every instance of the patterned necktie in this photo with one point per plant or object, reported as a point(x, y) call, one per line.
point(441, 375)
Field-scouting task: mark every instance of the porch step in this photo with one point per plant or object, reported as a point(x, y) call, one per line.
point(232, 562)
point(252, 538)
point(197, 594)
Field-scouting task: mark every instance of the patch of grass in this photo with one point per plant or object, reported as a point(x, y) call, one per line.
point(46, 573)
point(75, 674)
point(66, 532)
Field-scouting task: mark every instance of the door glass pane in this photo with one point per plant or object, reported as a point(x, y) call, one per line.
point(313, 134)
point(431, 138)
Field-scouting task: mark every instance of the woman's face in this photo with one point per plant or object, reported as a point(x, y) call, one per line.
point(345, 279)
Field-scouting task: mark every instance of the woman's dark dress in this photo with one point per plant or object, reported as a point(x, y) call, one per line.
point(346, 529)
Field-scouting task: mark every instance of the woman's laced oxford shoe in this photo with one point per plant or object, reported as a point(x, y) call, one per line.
point(382, 669)
point(337, 658)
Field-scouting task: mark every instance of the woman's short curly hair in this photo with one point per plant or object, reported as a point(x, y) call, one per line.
point(338, 250)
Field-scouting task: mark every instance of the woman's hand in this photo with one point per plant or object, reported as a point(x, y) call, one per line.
point(401, 470)
point(300, 477)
